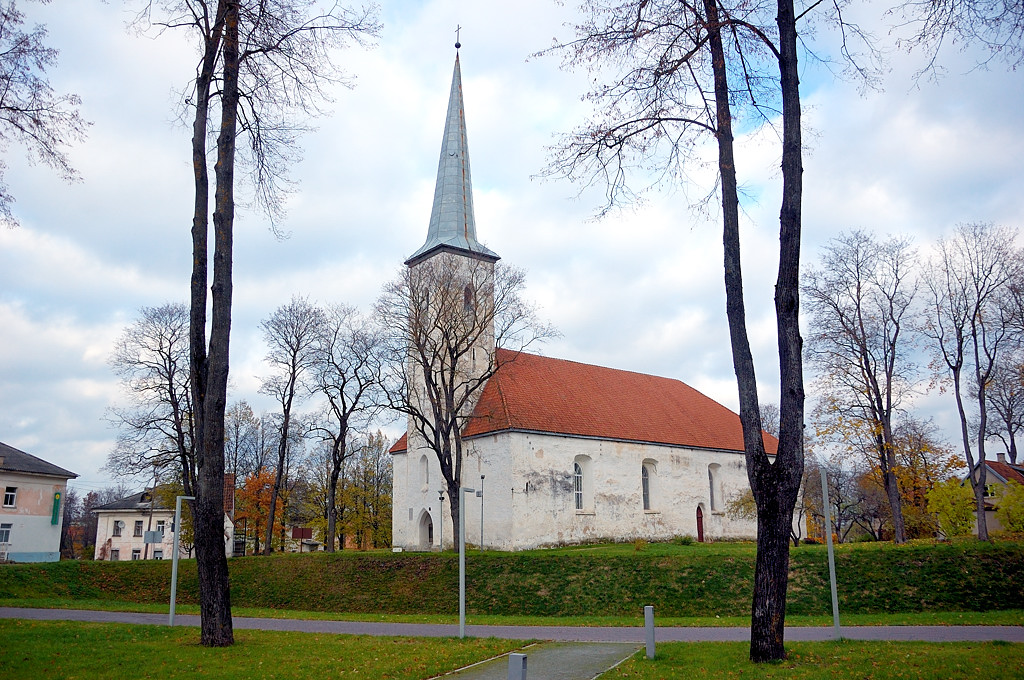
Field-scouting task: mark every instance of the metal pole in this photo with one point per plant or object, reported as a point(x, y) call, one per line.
point(649, 630)
point(481, 513)
point(174, 557)
point(831, 553)
point(462, 560)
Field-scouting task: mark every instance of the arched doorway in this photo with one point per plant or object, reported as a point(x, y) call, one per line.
point(700, 525)
point(426, 531)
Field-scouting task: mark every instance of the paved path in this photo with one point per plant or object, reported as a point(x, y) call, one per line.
point(555, 661)
point(633, 635)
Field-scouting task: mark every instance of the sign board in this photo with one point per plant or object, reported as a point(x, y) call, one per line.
point(154, 537)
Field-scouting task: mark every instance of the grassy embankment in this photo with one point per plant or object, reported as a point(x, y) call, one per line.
point(917, 583)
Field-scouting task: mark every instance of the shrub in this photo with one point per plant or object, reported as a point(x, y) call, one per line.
point(953, 503)
point(1011, 507)
point(683, 540)
point(640, 545)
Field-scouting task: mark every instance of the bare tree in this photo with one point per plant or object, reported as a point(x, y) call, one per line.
point(680, 72)
point(31, 113)
point(860, 302)
point(1005, 394)
point(290, 333)
point(770, 418)
point(156, 429)
point(442, 320)
point(241, 439)
point(347, 372)
point(970, 324)
point(264, 64)
point(997, 26)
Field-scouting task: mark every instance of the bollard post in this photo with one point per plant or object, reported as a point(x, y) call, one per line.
point(516, 666)
point(649, 627)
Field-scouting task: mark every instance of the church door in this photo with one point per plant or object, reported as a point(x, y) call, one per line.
point(426, 531)
point(700, 525)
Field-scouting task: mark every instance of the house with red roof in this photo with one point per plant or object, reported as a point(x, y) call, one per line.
point(561, 452)
point(997, 475)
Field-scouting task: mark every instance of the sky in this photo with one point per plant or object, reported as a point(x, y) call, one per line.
point(638, 290)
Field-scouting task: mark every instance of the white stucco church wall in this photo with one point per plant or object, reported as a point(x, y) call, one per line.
point(530, 493)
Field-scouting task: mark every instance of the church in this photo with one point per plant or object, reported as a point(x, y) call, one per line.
point(561, 452)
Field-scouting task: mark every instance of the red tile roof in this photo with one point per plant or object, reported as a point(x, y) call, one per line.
point(1007, 471)
point(534, 393)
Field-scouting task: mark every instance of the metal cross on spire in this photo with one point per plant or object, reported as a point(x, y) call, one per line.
point(457, 43)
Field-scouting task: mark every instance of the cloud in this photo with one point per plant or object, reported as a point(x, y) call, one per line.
point(640, 290)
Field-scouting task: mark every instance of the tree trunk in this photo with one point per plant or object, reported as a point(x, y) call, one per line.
point(211, 561)
point(892, 492)
point(332, 512)
point(774, 486)
point(455, 507)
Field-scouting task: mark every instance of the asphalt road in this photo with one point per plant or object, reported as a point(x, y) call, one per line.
point(554, 633)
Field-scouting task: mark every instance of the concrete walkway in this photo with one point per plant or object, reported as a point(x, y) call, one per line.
point(555, 661)
point(634, 635)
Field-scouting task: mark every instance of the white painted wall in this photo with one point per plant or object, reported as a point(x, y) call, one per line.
point(529, 493)
point(32, 536)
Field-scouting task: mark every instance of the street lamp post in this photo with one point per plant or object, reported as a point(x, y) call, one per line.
point(462, 559)
point(481, 494)
point(174, 557)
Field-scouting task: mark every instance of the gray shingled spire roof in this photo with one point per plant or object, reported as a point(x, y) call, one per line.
point(452, 224)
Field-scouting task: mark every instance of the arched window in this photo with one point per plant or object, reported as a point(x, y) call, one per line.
point(582, 484)
point(645, 483)
point(577, 481)
point(714, 490)
point(424, 472)
point(468, 299)
point(648, 483)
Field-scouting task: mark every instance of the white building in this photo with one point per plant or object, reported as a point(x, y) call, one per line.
point(565, 452)
point(32, 512)
point(121, 527)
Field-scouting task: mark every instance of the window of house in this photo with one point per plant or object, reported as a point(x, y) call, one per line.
point(160, 524)
point(577, 481)
point(118, 526)
point(138, 528)
point(115, 555)
point(137, 554)
point(10, 496)
point(990, 490)
point(158, 554)
point(5, 533)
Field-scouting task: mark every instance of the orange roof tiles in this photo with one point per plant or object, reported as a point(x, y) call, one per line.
point(1007, 471)
point(530, 392)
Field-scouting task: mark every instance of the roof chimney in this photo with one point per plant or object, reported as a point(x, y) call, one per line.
point(1001, 457)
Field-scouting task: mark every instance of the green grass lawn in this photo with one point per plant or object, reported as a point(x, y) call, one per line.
point(842, 660)
point(68, 650)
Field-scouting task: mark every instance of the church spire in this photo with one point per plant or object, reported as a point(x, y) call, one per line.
point(452, 223)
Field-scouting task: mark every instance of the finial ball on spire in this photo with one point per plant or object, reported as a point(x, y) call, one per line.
point(458, 45)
